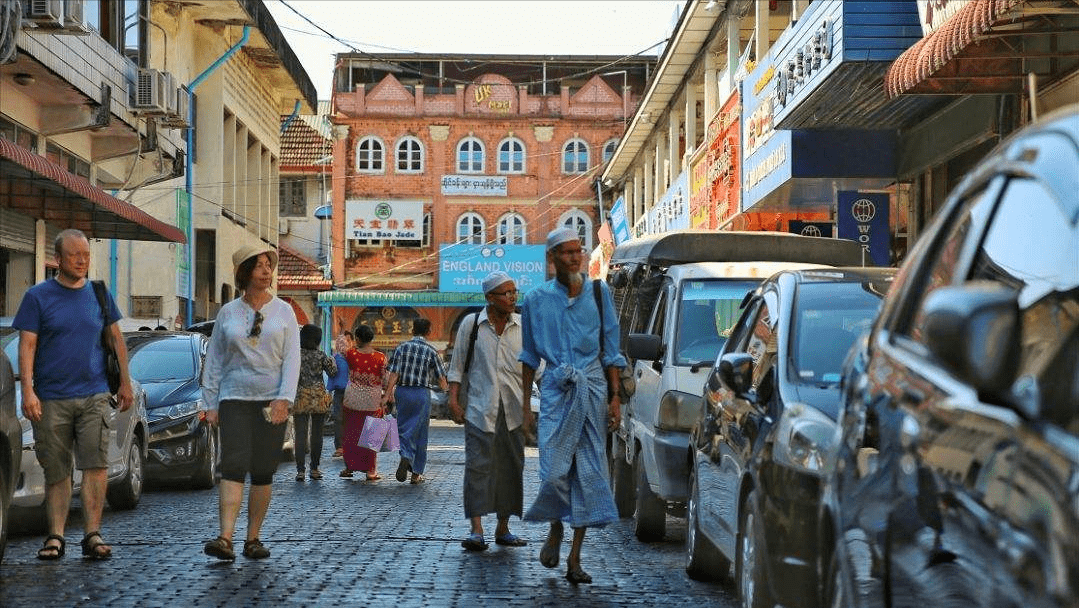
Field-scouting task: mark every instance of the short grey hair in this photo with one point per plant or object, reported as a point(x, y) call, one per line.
point(58, 244)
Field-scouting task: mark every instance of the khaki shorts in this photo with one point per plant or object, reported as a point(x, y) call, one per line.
point(81, 423)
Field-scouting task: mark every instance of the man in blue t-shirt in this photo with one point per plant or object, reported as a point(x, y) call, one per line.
point(65, 393)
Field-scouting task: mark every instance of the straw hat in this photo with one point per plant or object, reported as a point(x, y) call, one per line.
point(246, 252)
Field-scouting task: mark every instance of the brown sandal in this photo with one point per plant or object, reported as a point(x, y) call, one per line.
point(254, 549)
point(220, 547)
point(95, 550)
point(51, 552)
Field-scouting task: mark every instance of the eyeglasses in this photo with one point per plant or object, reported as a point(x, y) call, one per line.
point(511, 293)
point(256, 327)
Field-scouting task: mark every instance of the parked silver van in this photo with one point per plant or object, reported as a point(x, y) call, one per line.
point(677, 295)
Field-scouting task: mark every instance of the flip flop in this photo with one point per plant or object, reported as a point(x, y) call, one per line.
point(549, 553)
point(373, 478)
point(510, 539)
point(474, 542)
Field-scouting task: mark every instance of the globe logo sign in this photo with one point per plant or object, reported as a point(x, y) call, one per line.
point(811, 230)
point(383, 211)
point(863, 210)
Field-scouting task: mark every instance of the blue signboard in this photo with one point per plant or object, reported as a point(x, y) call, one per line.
point(619, 226)
point(864, 218)
point(811, 228)
point(671, 211)
point(462, 267)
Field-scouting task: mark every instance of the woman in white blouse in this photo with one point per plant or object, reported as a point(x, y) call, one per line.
point(249, 383)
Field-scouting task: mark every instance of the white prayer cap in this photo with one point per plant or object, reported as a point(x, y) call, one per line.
point(561, 235)
point(495, 279)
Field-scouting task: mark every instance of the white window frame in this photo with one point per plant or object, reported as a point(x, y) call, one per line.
point(613, 145)
point(371, 160)
point(404, 145)
point(511, 169)
point(472, 219)
point(579, 221)
point(576, 158)
point(519, 234)
point(468, 166)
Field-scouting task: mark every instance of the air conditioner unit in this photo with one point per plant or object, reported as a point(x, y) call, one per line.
point(283, 225)
point(177, 111)
point(149, 92)
point(45, 13)
point(75, 17)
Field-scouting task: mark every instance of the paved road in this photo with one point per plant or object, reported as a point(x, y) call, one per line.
point(348, 542)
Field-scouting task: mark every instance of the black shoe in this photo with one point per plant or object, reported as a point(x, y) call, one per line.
point(403, 469)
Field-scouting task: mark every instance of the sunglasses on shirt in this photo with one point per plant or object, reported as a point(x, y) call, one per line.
point(256, 327)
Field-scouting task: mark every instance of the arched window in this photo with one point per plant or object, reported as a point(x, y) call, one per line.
point(369, 155)
point(409, 155)
point(511, 156)
point(511, 229)
point(609, 148)
point(471, 229)
point(575, 156)
point(470, 155)
point(579, 221)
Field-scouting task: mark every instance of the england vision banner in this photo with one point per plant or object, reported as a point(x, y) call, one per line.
point(462, 267)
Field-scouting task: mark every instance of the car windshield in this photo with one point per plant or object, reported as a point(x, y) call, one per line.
point(829, 317)
point(707, 313)
point(161, 360)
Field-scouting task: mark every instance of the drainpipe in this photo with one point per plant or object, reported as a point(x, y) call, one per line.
point(189, 179)
point(290, 118)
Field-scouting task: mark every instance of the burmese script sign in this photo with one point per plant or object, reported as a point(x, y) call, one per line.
point(474, 185)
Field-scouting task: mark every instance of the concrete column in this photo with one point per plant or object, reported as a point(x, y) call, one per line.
point(799, 9)
point(762, 27)
point(674, 131)
point(711, 89)
point(658, 186)
point(649, 181)
point(691, 118)
point(459, 100)
point(419, 98)
point(734, 43)
point(627, 200)
point(638, 192)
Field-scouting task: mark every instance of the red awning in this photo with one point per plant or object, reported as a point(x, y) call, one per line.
point(930, 54)
point(36, 186)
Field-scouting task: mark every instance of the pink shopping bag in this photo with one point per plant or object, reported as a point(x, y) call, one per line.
point(393, 441)
point(374, 432)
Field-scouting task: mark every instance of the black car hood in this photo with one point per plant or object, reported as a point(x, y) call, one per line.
point(824, 397)
point(171, 392)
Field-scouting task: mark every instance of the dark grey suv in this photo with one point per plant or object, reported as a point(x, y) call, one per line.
point(957, 478)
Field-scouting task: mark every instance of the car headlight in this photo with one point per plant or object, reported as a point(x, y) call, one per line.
point(678, 411)
point(177, 411)
point(805, 439)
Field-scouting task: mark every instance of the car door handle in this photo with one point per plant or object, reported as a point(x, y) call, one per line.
point(640, 373)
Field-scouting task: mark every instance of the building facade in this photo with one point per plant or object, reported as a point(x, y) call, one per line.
point(446, 167)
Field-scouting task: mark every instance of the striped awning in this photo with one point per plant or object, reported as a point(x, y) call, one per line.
point(35, 186)
point(361, 297)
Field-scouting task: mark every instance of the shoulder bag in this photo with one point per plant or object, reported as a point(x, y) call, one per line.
point(462, 391)
point(626, 384)
point(112, 364)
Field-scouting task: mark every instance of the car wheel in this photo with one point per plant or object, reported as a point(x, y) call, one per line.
point(703, 561)
point(207, 474)
point(650, 520)
point(126, 492)
point(621, 478)
point(752, 584)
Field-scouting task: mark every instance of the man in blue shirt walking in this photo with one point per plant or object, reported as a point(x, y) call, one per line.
point(561, 325)
point(65, 394)
point(410, 369)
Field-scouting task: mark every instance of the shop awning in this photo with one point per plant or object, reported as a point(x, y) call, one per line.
point(984, 48)
point(37, 187)
point(399, 298)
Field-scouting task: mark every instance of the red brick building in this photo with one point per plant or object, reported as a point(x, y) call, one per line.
point(479, 149)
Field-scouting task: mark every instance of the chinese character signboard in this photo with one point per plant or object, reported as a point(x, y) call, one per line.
point(864, 218)
point(462, 267)
point(384, 219)
point(474, 185)
point(723, 166)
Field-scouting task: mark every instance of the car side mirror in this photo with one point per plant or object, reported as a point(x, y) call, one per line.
point(736, 371)
point(974, 330)
point(644, 346)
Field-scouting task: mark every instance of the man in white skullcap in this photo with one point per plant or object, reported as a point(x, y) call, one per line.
point(561, 326)
point(485, 362)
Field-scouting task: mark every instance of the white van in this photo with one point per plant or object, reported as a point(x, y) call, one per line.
point(677, 295)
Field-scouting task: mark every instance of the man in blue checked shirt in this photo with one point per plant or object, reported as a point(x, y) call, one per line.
point(410, 369)
point(561, 324)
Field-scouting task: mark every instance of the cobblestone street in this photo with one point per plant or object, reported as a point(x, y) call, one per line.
point(348, 542)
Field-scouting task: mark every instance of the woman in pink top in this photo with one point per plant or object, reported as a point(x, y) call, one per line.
point(366, 366)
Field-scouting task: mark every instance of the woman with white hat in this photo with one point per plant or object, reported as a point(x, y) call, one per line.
point(249, 383)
